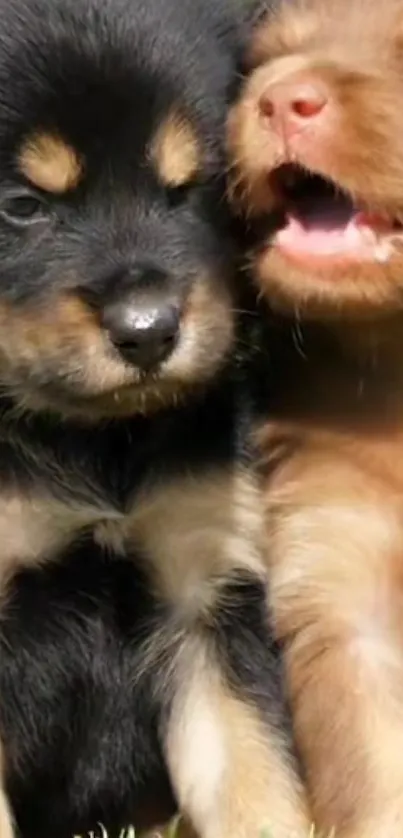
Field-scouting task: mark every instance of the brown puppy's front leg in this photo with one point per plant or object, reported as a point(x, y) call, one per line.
point(337, 601)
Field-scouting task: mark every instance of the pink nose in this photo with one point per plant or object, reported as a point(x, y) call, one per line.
point(290, 106)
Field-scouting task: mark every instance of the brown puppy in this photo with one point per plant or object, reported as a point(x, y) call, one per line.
point(317, 148)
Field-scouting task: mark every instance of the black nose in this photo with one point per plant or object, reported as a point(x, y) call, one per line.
point(145, 333)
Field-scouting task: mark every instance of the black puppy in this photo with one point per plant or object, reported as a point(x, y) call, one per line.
point(134, 636)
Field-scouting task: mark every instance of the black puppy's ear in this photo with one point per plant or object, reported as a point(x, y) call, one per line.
point(237, 23)
point(256, 10)
point(251, 14)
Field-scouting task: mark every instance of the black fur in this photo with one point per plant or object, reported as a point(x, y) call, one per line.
point(81, 730)
point(84, 745)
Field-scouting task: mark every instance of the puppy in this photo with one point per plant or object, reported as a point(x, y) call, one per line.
point(317, 166)
point(137, 666)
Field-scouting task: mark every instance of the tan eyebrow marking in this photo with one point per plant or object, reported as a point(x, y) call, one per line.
point(50, 163)
point(176, 150)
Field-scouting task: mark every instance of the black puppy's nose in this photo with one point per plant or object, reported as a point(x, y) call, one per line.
point(145, 333)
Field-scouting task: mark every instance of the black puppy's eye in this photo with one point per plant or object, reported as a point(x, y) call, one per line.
point(22, 209)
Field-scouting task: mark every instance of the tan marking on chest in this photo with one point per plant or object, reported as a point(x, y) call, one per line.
point(34, 530)
point(197, 530)
point(191, 533)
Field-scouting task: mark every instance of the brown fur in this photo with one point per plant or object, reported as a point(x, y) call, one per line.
point(334, 447)
point(50, 163)
point(358, 145)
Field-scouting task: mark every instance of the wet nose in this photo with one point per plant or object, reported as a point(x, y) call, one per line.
point(290, 106)
point(144, 332)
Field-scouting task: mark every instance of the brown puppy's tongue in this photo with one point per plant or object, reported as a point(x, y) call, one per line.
point(322, 220)
point(333, 231)
point(318, 222)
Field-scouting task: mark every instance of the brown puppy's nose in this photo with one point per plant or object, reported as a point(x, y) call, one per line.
point(292, 105)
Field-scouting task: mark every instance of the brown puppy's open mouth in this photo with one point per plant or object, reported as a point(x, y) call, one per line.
point(321, 220)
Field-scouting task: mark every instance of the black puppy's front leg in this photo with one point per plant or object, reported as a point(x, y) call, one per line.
point(226, 741)
point(224, 731)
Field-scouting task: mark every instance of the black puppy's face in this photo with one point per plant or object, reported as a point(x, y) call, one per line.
point(115, 291)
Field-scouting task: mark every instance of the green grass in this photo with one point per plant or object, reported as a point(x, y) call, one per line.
point(170, 832)
point(129, 832)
